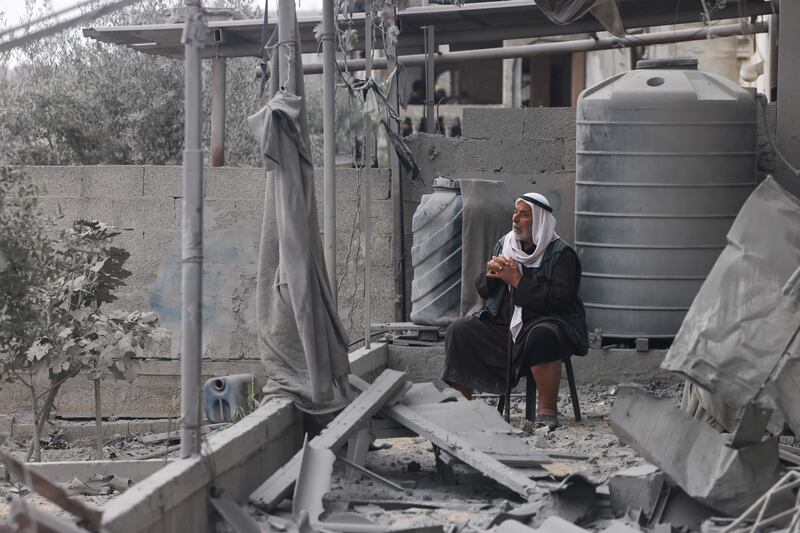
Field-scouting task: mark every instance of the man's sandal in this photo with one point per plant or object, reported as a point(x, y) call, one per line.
point(550, 421)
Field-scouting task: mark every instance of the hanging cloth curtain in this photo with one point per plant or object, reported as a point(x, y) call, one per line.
point(303, 342)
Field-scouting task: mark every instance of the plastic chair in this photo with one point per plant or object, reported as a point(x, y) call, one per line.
point(530, 393)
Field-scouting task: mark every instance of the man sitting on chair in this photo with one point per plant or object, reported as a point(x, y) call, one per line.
point(539, 273)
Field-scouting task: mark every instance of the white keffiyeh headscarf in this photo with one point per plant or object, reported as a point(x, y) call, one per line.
point(544, 232)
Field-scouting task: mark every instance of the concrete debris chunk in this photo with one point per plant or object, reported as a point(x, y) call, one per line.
point(638, 487)
point(235, 516)
point(53, 492)
point(350, 420)
point(553, 524)
point(692, 454)
point(458, 447)
point(313, 482)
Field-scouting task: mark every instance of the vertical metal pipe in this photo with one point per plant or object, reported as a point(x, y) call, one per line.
point(329, 140)
point(367, 171)
point(286, 49)
point(430, 80)
point(772, 58)
point(788, 112)
point(218, 83)
point(192, 253)
point(398, 225)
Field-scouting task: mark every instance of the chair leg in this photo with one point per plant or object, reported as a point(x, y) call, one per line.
point(501, 403)
point(530, 396)
point(573, 391)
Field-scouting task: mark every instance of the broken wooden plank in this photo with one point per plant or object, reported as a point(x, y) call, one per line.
point(373, 397)
point(53, 492)
point(457, 446)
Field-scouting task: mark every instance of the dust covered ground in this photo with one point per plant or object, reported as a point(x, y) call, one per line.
point(473, 502)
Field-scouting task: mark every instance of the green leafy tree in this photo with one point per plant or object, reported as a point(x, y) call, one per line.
point(53, 321)
point(71, 100)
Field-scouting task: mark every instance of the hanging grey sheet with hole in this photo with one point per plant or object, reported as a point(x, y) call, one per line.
point(303, 342)
point(740, 333)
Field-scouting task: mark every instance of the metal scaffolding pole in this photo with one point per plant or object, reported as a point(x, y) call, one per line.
point(218, 75)
point(192, 254)
point(561, 47)
point(286, 40)
point(367, 171)
point(430, 79)
point(398, 225)
point(788, 119)
point(329, 140)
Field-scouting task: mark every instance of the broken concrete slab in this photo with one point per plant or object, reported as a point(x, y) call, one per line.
point(747, 311)
point(235, 516)
point(692, 454)
point(458, 447)
point(234, 460)
point(313, 482)
point(484, 428)
point(553, 524)
point(65, 471)
point(359, 411)
point(638, 487)
point(55, 493)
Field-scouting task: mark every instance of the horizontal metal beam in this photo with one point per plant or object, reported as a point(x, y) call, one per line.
point(563, 47)
point(468, 24)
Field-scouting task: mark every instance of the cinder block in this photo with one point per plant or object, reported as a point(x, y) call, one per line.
point(229, 182)
point(636, 488)
point(544, 123)
point(143, 213)
point(52, 181)
point(484, 155)
point(109, 181)
point(533, 156)
point(493, 123)
point(160, 181)
point(568, 161)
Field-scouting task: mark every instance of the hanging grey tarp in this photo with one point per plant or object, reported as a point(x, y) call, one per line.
point(568, 11)
point(739, 332)
point(486, 216)
point(304, 344)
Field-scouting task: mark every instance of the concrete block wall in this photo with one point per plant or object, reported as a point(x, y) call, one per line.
point(145, 203)
point(531, 149)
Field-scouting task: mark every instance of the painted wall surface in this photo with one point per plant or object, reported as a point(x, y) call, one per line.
point(145, 203)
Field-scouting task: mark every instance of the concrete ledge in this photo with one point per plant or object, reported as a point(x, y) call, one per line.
point(598, 367)
point(66, 471)
point(87, 430)
point(367, 361)
point(234, 461)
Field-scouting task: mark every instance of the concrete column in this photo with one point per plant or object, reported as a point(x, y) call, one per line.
point(788, 123)
point(218, 90)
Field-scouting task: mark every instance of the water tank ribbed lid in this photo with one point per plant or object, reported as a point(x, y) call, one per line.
point(676, 63)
